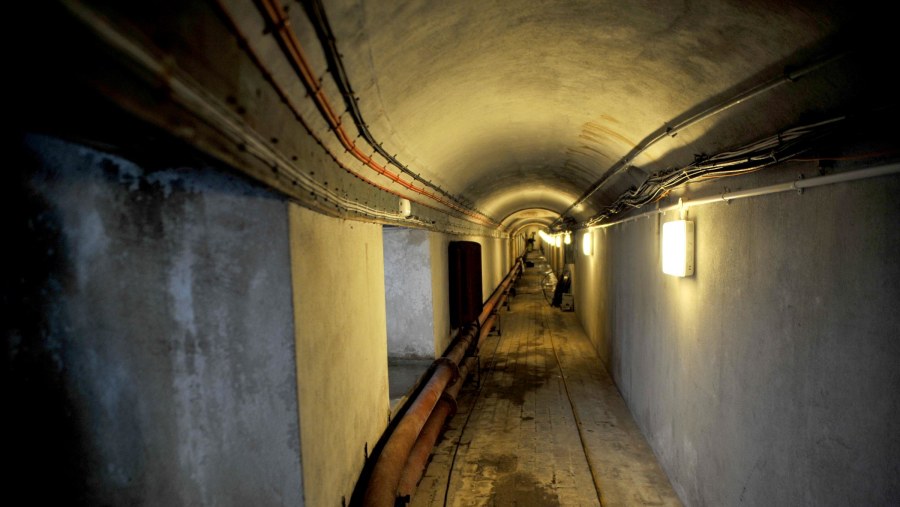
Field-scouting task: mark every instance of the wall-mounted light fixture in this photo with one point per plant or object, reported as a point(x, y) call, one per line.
point(567, 239)
point(587, 243)
point(558, 240)
point(678, 248)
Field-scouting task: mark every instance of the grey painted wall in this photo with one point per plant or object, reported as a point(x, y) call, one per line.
point(771, 376)
point(408, 293)
point(149, 339)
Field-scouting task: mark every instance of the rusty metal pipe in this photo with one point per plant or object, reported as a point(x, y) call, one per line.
point(502, 289)
point(418, 457)
point(383, 484)
point(445, 409)
point(382, 487)
point(457, 350)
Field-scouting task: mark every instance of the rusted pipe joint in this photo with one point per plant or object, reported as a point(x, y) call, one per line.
point(451, 400)
point(449, 363)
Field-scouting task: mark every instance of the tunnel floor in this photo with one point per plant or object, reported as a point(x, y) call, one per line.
point(544, 424)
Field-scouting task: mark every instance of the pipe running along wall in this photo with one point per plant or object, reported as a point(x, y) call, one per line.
point(401, 462)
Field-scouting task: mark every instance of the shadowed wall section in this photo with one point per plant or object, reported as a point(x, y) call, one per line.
point(150, 335)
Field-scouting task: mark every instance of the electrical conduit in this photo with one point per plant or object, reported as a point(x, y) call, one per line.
point(277, 20)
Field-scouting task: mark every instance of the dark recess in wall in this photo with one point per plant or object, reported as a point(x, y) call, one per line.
point(465, 282)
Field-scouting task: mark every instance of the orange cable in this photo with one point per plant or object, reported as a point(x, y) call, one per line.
point(280, 22)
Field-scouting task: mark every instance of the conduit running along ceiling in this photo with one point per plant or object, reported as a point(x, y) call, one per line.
point(495, 113)
point(518, 104)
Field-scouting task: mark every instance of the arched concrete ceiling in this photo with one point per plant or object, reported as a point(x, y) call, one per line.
point(507, 107)
point(523, 218)
point(519, 104)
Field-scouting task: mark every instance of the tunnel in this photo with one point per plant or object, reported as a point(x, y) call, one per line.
point(357, 253)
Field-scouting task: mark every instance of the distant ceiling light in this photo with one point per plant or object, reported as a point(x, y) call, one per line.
point(546, 238)
point(567, 239)
point(587, 243)
point(558, 240)
point(678, 248)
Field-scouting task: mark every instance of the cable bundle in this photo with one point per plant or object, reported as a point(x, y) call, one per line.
point(747, 159)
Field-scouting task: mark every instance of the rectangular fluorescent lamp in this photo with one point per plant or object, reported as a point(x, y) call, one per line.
point(678, 248)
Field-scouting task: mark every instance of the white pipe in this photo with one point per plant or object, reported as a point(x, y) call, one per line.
point(798, 185)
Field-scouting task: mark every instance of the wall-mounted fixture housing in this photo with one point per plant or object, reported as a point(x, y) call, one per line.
point(678, 248)
point(405, 207)
point(587, 243)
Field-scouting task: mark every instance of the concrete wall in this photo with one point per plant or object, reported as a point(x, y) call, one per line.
point(771, 376)
point(409, 295)
point(593, 292)
point(494, 263)
point(440, 290)
point(516, 248)
point(414, 258)
point(165, 323)
point(148, 335)
point(338, 280)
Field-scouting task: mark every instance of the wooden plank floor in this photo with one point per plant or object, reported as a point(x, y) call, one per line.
point(545, 425)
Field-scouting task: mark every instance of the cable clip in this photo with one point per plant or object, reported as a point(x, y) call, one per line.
point(682, 209)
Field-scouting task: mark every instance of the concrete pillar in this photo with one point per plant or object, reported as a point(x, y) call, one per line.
point(149, 334)
point(340, 326)
point(409, 293)
point(440, 290)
